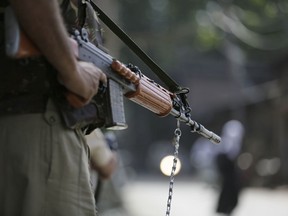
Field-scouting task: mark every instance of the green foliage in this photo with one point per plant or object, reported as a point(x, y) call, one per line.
point(208, 37)
point(204, 25)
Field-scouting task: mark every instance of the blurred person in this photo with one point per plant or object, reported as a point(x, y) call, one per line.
point(230, 185)
point(103, 158)
point(219, 161)
point(44, 165)
point(229, 149)
point(107, 174)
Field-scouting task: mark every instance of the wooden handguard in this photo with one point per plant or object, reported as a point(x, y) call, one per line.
point(152, 96)
point(148, 94)
point(125, 72)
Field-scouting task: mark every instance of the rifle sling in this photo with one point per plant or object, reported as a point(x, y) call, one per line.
point(171, 84)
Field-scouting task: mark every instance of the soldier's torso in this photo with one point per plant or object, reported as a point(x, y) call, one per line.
point(30, 76)
point(19, 77)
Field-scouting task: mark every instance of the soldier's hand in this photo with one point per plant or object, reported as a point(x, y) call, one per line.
point(85, 82)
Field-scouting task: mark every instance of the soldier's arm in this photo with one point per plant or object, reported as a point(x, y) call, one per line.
point(42, 22)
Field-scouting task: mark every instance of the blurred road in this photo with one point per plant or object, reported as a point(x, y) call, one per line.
point(149, 198)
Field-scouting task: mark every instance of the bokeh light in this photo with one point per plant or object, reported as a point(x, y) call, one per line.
point(167, 163)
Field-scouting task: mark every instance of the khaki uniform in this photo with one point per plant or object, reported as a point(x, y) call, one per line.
point(44, 167)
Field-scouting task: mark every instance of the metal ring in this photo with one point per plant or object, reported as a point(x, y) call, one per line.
point(177, 132)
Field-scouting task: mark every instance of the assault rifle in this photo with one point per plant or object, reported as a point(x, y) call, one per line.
point(125, 80)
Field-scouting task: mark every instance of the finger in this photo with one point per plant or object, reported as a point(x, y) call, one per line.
point(103, 78)
point(75, 100)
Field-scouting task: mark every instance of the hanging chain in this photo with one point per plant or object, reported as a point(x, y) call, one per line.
point(177, 134)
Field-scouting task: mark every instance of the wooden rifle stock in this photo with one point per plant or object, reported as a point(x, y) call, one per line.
point(17, 44)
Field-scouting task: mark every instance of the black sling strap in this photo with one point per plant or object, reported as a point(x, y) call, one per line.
point(171, 84)
point(81, 13)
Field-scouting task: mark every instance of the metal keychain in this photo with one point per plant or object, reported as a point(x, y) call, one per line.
point(177, 134)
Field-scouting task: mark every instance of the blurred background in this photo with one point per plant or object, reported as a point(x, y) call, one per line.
point(232, 55)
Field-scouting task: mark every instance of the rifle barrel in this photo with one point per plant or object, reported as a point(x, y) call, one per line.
point(196, 127)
